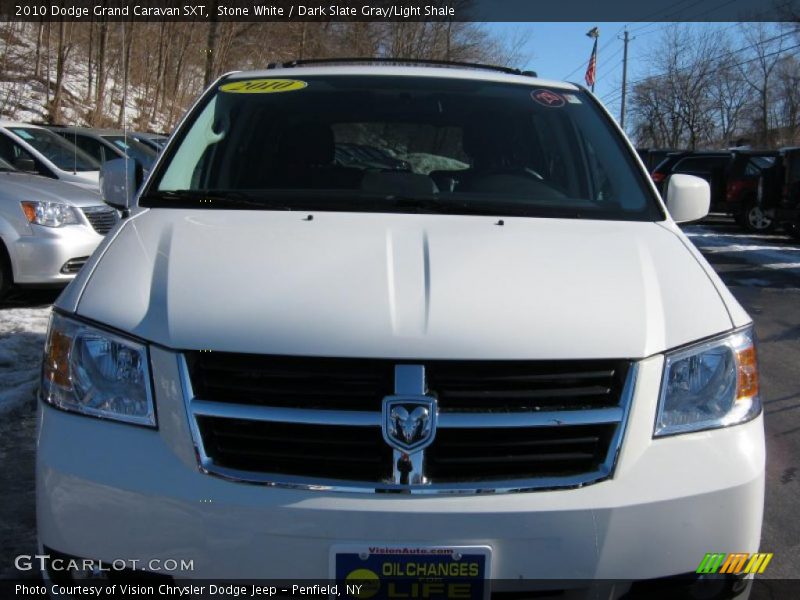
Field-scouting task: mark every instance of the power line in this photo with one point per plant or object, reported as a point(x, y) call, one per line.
point(614, 96)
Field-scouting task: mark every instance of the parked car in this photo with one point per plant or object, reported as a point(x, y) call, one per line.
point(156, 141)
point(48, 229)
point(733, 177)
point(107, 144)
point(780, 190)
point(292, 369)
point(652, 157)
point(34, 149)
point(741, 190)
point(708, 165)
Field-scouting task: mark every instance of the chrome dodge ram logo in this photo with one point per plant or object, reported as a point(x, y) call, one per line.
point(409, 422)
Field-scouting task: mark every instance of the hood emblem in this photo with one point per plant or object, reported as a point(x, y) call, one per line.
point(409, 422)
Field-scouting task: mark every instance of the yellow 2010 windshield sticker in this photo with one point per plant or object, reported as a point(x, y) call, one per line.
point(263, 86)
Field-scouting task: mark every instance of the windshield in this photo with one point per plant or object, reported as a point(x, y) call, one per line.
point(61, 153)
point(379, 143)
point(136, 150)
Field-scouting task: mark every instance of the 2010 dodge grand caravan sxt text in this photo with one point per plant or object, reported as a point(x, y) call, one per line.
point(384, 321)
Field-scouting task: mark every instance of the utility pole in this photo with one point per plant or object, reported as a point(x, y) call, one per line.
point(625, 41)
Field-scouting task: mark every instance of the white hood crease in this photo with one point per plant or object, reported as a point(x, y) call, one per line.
point(402, 286)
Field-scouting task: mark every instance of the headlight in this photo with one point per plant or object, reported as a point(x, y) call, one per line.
point(50, 214)
point(709, 385)
point(94, 372)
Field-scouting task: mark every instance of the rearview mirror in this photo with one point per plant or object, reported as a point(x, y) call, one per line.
point(688, 198)
point(119, 180)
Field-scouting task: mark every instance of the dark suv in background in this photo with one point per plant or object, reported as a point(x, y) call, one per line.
point(733, 177)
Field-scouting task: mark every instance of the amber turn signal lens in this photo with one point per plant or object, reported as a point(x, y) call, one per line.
point(30, 211)
point(747, 373)
point(56, 367)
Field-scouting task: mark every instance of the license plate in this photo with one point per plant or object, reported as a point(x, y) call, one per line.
point(390, 572)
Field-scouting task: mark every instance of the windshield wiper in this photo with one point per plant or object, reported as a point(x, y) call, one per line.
point(458, 206)
point(210, 198)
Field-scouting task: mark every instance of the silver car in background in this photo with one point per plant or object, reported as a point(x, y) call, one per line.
point(37, 150)
point(48, 228)
point(108, 144)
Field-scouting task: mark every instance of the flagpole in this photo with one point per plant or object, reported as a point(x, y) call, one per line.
point(594, 32)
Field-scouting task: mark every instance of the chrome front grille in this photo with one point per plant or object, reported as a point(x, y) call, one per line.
point(101, 218)
point(317, 422)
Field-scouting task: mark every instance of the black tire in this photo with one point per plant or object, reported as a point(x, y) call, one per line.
point(757, 220)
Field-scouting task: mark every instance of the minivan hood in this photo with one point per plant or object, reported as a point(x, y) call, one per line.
point(402, 286)
point(84, 179)
point(24, 186)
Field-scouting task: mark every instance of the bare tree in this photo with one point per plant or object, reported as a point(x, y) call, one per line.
point(62, 56)
point(787, 101)
point(673, 107)
point(758, 72)
point(731, 94)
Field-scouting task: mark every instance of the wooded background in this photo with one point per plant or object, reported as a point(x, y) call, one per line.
point(84, 73)
point(738, 84)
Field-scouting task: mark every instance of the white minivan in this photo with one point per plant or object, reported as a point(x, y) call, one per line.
point(417, 326)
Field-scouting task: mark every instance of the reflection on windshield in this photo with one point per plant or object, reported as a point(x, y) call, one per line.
point(61, 153)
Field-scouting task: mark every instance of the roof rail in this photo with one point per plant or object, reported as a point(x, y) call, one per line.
point(399, 61)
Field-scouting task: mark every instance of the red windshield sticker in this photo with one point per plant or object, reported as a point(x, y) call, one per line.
point(548, 98)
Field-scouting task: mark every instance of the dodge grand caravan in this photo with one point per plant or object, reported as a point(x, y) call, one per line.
point(493, 357)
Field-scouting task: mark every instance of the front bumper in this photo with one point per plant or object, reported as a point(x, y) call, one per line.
point(38, 259)
point(111, 491)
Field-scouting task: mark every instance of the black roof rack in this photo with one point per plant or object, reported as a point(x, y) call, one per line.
point(399, 61)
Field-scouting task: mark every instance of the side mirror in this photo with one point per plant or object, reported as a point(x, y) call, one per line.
point(688, 198)
point(25, 164)
point(119, 180)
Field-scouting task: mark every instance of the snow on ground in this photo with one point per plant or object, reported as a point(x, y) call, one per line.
point(776, 252)
point(22, 332)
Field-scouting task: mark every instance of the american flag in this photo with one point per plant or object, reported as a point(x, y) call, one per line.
point(591, 69)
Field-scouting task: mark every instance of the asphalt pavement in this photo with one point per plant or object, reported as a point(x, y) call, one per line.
point(762, 271)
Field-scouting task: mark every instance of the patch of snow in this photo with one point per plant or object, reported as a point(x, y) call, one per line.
point(22, 334)
point(777, 255)
point(783, 265)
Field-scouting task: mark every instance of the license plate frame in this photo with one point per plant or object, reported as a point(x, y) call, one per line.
point(389, 564)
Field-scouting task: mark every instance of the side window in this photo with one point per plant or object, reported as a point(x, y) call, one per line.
point(18, 156)
point(751, 170)
point(93, 147)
